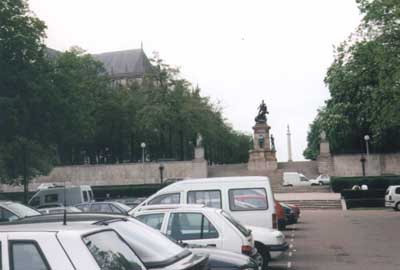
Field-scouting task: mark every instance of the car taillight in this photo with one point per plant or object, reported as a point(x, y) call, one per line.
point(246, 250)
point(274, 221)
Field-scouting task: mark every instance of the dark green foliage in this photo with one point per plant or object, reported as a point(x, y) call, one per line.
point(364, 198)
point(363, 83)
point(64, 109)
point(125, 191)
point(373, 182)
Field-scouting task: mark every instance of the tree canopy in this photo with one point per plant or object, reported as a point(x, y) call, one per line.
point(363, 82)
point(65, 109)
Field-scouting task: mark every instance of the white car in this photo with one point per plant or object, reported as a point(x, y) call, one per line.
point(45, 246)
point(322, 179)
point(186, 222)
point(392, 197)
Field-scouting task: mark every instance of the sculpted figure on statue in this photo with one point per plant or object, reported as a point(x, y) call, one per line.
point(262, 113)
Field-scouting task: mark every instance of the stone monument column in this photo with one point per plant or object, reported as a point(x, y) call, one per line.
point(263, 156)
point(324, 158)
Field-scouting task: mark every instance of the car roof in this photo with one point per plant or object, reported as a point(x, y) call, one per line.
point(71, 217)
point(50, 227)
point(172, 207)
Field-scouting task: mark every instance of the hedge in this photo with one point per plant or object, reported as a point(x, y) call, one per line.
point(121, 191)
point(364, 198)
point(373, 182)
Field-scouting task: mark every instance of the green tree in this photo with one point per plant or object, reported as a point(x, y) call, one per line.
point(24, 93)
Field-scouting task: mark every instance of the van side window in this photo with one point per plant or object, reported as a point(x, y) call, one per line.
point(51, 198)
point(190, 226)
point(210, 198)
point(397, 191)
point(172, 198)
point(27, 255)
point(248, 199)
point(85, 196)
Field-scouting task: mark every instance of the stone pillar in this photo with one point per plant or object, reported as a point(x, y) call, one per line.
point(262, 158)
point(324, 159)
point(289, 142)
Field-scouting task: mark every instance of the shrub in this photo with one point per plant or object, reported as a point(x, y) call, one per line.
point(364, 198)
point(121, 191)
point(373, 182)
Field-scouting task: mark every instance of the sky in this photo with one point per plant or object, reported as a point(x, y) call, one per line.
point(238, 52)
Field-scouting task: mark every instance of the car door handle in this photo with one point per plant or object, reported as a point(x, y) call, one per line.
point(211, 245)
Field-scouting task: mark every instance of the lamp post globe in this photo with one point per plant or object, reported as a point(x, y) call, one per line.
point(143, 145)
point(366, 138)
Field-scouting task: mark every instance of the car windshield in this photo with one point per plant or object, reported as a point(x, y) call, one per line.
point(111, 252)
point(246, 232)
point(151, 246)
point(123, 206)
point(21, 210)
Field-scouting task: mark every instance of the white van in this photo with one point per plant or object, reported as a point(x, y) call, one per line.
point(248, 199)
point(54, 196)
point(392, 197)
point(295, 179)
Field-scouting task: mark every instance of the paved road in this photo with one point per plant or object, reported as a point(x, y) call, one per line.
point(343, 240)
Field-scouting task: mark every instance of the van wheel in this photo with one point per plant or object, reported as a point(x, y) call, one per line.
point(264, 252)
point(398, 206)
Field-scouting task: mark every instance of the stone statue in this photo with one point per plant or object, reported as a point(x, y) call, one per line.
point(199, 140)
point(261, 141)
point(273, 142)
point(262, 112)
point(323, 136)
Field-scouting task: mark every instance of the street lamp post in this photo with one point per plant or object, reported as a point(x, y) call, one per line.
point(362, 160)
point(366, 138)
point(161, 168)
point(143, 145)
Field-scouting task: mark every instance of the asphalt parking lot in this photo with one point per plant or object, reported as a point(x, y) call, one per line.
point(345, 240)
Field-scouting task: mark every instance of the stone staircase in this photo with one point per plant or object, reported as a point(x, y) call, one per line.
point(316, 204)
point(312, 189)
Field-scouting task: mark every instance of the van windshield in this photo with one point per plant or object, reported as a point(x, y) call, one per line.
point(21, 210)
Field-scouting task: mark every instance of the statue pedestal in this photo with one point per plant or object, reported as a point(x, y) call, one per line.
point(262, 158)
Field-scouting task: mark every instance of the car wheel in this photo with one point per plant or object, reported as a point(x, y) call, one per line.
point(398, 206)
point(260, 261)
point(264, 252)
point(320, 183)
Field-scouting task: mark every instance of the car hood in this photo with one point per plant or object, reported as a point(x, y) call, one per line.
point(222, 259)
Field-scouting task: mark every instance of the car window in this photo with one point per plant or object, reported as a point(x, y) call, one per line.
point(152, 220)
point(397, 190)
point(6, 215)
point(172, 198)
point(85, 196)
point(303, 178)
point(21, 210)
point(210, 198)
point(101, 207)
point(111, 252)
point(142, 239)
point(85, 207)
point(51, 198)
point(27, 255)
point(248, 199)
point(190, 226)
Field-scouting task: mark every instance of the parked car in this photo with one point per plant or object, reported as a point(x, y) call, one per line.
point(295, 209)
point(322, 179)
point(76, 246)
point(229, 194)
point(58, 210)
point(295, 179)
point(10, 211)
point(153, 248)
point(290, 216)
point(392, 197)
point(280, 214)
point(131, 202)
point(104, 207)
point(54, 196)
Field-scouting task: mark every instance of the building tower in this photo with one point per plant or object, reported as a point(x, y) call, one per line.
point(289, 142)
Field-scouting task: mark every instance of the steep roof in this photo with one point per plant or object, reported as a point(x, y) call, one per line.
point(129, 63)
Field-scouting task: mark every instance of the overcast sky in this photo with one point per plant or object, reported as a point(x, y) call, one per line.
point(238, 52)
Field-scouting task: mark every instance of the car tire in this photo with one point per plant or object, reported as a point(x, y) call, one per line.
point(264, 252)
point(321, 184)
point(397, 206)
